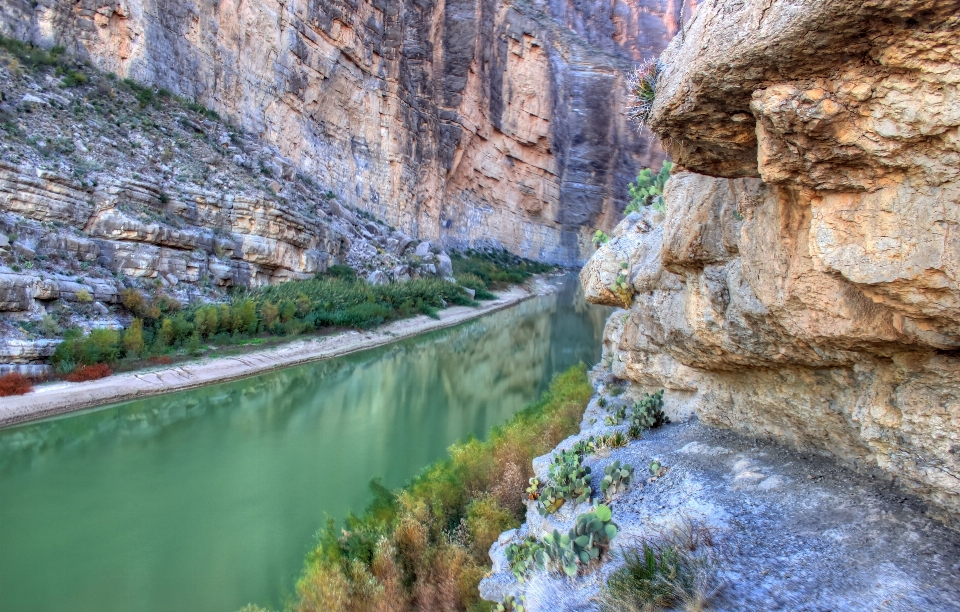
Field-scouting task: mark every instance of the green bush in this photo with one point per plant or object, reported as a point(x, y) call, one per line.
point(99, 346)
point(341, 271)
point(133, 343)
point(472, 281)
point(497, 268)
point(31, 55)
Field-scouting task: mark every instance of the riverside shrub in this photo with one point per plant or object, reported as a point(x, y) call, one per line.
point(14, 384)
point(89, 372)
point(337, 298)
point(425, 547)
point(496, 268)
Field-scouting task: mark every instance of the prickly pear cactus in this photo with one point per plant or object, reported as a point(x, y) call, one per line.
point(616, 478)
point(533, 491)
point(570, 481)
point(592, 533)
point(648, 412)
point(525, 557)
point(560, 552)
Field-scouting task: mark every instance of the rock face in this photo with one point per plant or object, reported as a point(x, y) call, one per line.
point(803, 283)
point(100, 192)
point(468, 122)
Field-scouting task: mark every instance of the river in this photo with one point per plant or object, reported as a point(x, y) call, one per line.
point(206, 500)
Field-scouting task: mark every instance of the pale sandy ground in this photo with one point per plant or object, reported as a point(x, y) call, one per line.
point(58, 398)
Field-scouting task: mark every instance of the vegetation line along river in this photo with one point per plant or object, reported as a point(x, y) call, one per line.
point(208, 499)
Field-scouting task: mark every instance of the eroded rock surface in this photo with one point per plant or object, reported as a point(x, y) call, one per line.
point(790, 530)
point(803, 283)
point(461, 121)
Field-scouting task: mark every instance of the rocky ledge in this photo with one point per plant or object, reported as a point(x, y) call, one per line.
point(788, 530)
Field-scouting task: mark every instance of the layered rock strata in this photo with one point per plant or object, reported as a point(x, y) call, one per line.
point(461, 121)
point(803, 283)
point(100, 192)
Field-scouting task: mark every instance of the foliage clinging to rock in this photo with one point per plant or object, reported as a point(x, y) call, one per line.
point(643, 91)
point(648, 189)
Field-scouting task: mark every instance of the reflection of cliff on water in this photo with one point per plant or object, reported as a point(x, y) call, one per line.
point(206, 499)
point(493, 361)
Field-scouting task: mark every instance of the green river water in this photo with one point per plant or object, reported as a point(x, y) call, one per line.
point(206, 500)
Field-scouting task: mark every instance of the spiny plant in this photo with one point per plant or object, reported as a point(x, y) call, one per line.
point(635, 432)
point(570, 481)
point(551, 499)
point(583, 447)
point(533, 491)
point(648, 189)
point(511, 604)
point(559, 550)
point(643, 91)
point(648, 412)
point(618, 415)
point(600, 238)
point(525, 557)
point(602, 402)
point(617, 440)
point(585, 543)
point(616, 478)
point(620, 285)
point(592, 533)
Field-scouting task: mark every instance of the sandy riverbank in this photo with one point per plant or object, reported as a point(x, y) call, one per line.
point(62, 397)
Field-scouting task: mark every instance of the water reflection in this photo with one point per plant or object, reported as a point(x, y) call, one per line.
point(207, 499)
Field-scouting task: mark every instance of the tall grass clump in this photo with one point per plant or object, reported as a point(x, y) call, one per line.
point(676, 572)
point(425, 547)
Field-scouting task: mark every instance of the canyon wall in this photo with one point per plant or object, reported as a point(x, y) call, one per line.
point(468, 122)
point(804, 283)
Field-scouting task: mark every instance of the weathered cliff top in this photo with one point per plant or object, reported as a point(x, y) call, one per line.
point(731, 50)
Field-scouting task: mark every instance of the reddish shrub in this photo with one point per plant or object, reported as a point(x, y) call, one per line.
point(15, 384)
point(91, 372)
point(161, 360)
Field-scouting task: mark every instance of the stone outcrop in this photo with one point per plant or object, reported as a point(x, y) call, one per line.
point(465, 122)
point(803, 283)
point(187, 207)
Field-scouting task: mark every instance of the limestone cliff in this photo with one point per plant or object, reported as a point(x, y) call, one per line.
point(804, 281)
point(465, 121)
